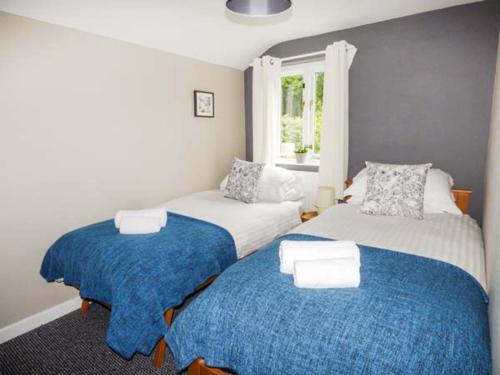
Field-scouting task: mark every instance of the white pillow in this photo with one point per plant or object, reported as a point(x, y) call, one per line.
point(276, 185)
point(438, 197)
point(357, 190)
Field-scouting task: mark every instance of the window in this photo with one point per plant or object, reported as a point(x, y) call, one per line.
point(301, 110)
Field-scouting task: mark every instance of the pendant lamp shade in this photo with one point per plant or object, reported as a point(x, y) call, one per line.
point(258, 8)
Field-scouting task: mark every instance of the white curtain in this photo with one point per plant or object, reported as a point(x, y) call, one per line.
point(266, 104)
point(335, 128)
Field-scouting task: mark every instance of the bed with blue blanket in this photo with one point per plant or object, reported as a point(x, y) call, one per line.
point(142, 276)
point(411, 314)
point(139, 276)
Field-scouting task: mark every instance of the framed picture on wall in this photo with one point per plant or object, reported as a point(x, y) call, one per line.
point(204, 105)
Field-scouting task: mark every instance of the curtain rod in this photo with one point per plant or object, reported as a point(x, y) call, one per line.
point(311, 54)
point(303, 56)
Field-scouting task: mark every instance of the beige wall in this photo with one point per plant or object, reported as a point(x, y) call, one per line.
point(491, 223)
point(90, 125)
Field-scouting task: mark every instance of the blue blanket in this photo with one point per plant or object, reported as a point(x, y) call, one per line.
point(410, 315)
point(141, 276)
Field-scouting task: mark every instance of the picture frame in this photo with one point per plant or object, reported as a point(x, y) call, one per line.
point(204, 104)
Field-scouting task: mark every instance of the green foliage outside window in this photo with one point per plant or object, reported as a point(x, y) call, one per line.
point(318, 120)
point(292, 110)
point(291, 130)
point(292, 90)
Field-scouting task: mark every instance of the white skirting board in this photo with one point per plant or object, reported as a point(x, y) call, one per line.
point(38, 319)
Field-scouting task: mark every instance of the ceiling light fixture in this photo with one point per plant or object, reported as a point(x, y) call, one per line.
point(258, 8)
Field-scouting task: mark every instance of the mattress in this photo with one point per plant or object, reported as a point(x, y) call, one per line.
point(251, 225)
point(454, 239)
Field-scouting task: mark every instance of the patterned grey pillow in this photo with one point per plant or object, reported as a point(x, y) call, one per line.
point(243, 181)
point(395, 190)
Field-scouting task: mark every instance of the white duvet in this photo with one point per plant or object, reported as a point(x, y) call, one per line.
point(251, 225)
point(455, 239)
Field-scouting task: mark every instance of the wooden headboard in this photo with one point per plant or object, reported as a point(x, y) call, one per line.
point(462, 197)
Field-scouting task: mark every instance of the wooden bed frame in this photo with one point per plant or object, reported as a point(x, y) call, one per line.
point(462, 198)
point(159, 355)
point(198, 367)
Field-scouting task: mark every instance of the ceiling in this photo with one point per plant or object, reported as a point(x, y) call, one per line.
point(202, 29)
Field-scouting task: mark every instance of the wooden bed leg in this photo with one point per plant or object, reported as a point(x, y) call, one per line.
point(85, 306)
point(194, 368)
point(159, 356)
point(198, 367)
point(169, 316)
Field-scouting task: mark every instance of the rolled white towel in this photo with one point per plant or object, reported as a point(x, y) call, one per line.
point(140, 225)
point(160, 213)
point(291, 251)
point(326, 273)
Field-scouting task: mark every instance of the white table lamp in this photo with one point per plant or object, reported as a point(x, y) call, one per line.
point(325, 198)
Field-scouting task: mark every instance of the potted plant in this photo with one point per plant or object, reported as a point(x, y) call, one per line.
point(301, 153)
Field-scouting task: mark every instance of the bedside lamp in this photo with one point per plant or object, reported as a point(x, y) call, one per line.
point(325, 198)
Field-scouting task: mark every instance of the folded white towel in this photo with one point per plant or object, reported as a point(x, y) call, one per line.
point(160, 213)
point(140, 225)
point(326, 273)
point(291, 251)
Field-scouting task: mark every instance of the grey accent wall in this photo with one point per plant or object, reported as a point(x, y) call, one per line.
point(420, 90)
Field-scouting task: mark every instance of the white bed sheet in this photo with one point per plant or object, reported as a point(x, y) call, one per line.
point(251, 225)
point(455, 239)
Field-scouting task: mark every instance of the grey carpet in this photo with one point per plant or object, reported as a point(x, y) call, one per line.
point(73, 344)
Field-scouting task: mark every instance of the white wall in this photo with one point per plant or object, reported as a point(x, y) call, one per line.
point(90, 125)
point(491, 223)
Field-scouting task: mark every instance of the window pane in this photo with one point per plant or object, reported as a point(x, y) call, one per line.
point(318, 115)
point(292, 90)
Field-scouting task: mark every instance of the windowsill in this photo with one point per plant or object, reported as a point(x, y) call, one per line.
point(311, 165)
point(311, 161)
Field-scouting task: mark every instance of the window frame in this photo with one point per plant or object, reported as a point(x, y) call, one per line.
point(308, 71)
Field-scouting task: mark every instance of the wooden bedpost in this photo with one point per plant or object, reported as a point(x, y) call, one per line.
point(85, 306)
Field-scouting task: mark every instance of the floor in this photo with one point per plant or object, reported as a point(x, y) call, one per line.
point(73, 344)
